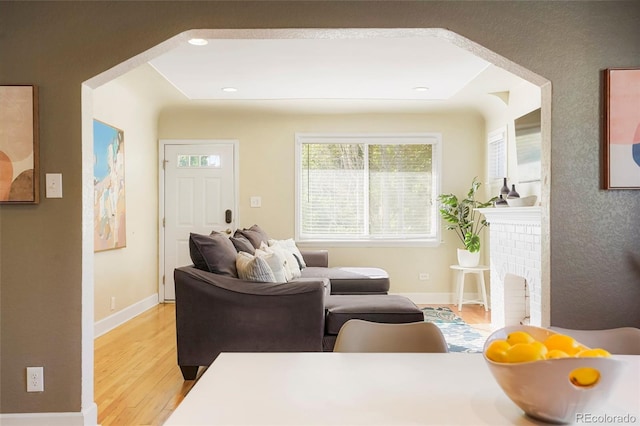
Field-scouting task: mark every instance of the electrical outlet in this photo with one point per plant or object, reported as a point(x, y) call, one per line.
point(424, 276)
point(35, 379)
point(113, 303)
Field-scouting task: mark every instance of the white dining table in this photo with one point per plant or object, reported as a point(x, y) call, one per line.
point(367, 389)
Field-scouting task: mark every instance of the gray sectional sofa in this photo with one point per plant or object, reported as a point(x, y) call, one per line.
point(218, 312)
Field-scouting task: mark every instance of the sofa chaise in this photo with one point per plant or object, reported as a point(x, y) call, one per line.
point(217, 311)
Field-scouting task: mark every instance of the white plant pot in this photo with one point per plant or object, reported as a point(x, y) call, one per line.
point(468, 259)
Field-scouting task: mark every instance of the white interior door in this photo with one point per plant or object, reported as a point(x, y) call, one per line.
point(199, 197)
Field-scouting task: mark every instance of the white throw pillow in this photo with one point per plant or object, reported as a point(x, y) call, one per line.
point(275, 261)
point(291, 264)
point(253, 268)
point(290, 246)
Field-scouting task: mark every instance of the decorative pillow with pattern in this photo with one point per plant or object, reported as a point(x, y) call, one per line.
point(291, 263)
point(254, 268)
point(276, 262)
point(290, 246)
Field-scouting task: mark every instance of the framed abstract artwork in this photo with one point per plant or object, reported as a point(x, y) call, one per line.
point(19, 145)
point(110, 213)
point(621, 159)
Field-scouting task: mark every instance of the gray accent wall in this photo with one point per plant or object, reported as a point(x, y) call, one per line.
point(595, 234)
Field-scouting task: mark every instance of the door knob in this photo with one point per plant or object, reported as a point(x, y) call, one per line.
point(228, 231)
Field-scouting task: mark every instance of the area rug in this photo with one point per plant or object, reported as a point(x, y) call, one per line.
point(460, 336)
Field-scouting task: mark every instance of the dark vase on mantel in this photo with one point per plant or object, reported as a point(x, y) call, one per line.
point(501, 202)
point(504, 191)
point(513, 193)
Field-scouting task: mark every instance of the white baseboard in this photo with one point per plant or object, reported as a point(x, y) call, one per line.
point(436, 298)
point(88, 417)
point(120, 317)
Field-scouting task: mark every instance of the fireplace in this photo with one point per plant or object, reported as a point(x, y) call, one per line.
point(516, 266)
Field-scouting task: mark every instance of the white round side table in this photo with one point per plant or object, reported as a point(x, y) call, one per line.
point(462, 272)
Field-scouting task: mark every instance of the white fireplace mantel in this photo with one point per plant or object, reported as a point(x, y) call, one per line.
point(512, 214)
point(516, 265)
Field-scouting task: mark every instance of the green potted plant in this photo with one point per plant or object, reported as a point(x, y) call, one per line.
point(462, 218)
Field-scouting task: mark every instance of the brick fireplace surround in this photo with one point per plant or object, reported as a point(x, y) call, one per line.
point(516, 266)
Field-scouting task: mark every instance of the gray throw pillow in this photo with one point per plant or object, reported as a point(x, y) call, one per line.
point(241, 243)
point(256, 235)
point(214, 253)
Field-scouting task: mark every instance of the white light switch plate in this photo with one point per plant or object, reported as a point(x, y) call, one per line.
point(256, 201)
point(54, 185)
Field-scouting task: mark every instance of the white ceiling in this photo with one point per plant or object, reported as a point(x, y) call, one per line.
point(337, 74)
point(320, 68)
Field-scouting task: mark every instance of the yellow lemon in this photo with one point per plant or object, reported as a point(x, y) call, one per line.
point(584, 376)
point(566, 344)
point(497, 350)
point(524, 352)
point(519, 337)
point(541, 347)
point(556, 353)
point(598, 352)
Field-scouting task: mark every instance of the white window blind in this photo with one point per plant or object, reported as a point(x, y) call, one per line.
point(366, 187)
point(497, 150)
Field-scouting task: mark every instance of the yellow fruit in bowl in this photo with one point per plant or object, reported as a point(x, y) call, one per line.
point(584, 376)
point(524, 352)
point(566, 344)
point(556, 353)
point(516, 337)
point(597, 352)
point(497, 350)
point(518, 346)
point(541, 347)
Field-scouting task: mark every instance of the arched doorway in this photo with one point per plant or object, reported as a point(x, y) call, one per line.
point(97, 81)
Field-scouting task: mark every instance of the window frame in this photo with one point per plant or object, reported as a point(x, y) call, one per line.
point(497, 137)
point(434, 139)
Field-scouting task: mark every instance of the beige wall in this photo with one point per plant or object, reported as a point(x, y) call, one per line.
point(130, 274)
point(595, 257)
point(267, 169)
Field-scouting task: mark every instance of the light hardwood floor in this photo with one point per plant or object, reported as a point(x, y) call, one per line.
point(137, 379)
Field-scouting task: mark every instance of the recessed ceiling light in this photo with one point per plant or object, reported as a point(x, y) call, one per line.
point(229, 89)
point(421, 89)
point(198, 42)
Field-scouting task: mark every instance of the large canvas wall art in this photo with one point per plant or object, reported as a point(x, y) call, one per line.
point(622, 129)
point(109, 187)
point(19, 160)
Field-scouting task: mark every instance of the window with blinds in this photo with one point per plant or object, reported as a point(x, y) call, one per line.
point(367, 188)
point(497, 150)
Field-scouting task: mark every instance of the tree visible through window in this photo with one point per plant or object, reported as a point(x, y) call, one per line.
point(367, 187)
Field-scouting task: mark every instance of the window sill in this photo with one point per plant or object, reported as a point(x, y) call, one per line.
point(367, 243)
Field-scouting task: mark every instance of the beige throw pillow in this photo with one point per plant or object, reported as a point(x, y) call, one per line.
point(254, 268)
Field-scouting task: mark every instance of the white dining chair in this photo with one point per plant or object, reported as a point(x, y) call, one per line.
point(365, 336)
point(622, 341)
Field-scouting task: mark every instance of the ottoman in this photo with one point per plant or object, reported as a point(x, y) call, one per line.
point(352, 280)
point(368, 307)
